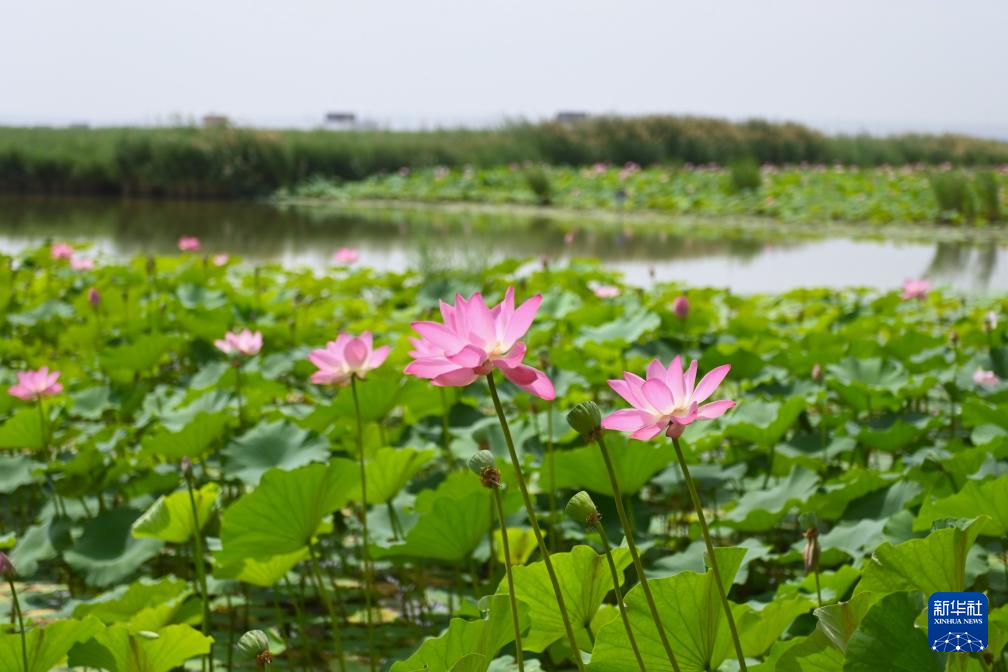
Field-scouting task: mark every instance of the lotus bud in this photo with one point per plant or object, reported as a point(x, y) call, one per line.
point(93, 297)
point(990, 320)
point(582, 509)
point(7, 570)
point(254, 645)
point(817, 372)
point(680, 306)
point(186, 465)
point(483, 464)
point(812, 550)
point(586, 419)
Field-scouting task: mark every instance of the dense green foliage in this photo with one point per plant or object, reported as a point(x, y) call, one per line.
point(219, 162)
point(818, 194)
point(856, 406)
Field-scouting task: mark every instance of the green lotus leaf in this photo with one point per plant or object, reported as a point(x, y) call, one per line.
point(17, 471)
point(936, 563)
point(170, 518)
point(106, 552)
point(269, 445)
point(691, 613)
point(285, 510)
point(390, 470)
point(194, 440)
point(264, 572)
point(887, 638)
point(761, 422)
point(467, 646)
point(143, 605)
point(22, 430)
point(635, 462)
point(116, 649)
point(989, 497)
point(46, 646)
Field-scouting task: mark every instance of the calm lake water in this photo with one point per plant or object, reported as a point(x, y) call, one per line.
point(747, 262)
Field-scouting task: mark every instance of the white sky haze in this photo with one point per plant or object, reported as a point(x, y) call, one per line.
point(879, 65)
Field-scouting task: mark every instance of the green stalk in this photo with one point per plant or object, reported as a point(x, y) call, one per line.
point(198, 562)
point(445, 431)
point(530, 510)
point(20, 619)
point(365, 555)
point(698, 507)
point(634, 554)
point(551, 466)
point(619, 595)
point(327, 603)
point(238, 394)
point(506, 547)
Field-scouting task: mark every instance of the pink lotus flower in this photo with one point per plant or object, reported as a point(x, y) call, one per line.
point(667, 400)
point(915, 289)
point(985, 378)
point(605, 291)
point(680, 306)
point(474, 340)
point(81, 264)
point(346, 357)
point(188, 243)
point(34, 385)
point(220, 259)
point(61, 251)
point(345, 256)
point(246, 342)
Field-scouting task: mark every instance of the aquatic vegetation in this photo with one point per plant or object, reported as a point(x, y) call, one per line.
point(189, 478)
point(818, 194)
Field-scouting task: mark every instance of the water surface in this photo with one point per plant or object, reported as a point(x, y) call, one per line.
point(752, 261)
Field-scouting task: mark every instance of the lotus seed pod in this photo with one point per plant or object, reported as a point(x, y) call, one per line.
point(483, 464)
point(7, 570)
point(585, 418)
point(808, 521)
point(582, 509)
point(254, 645)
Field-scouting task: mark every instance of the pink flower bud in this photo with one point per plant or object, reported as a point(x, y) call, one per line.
point(93, 297)
point(680, 306)
point(7, 570)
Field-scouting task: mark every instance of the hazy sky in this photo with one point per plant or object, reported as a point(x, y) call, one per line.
point(874, 64)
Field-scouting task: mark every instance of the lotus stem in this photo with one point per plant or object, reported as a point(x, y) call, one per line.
point(327, 603)
point(634, 554)
point(16, 609)
point(698, 507)
point(530, 510)
point(445, 431)
point(238, 395)
point(619, 594)
point(365, 555)
point(506, 547)
point(551, 467)
point(198, 563)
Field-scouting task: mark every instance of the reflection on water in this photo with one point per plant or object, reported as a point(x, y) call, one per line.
point(308, 236)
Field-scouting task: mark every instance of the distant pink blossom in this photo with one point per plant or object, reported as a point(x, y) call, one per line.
point(345, 256)
point(475, 339)
point(568, 238)
point(346, 357)
point(985, 378)
point(990, 320)
point(605, 291)
point(81, 264)
point(680, 306)
point(188, 243)
point(34, 385)
point(666, 401)
point(246, 342)
point(61, 251)
point(93, 297)
point(220, 259)
point(915, 289)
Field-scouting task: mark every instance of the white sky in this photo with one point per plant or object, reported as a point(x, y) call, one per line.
point(880, 65)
